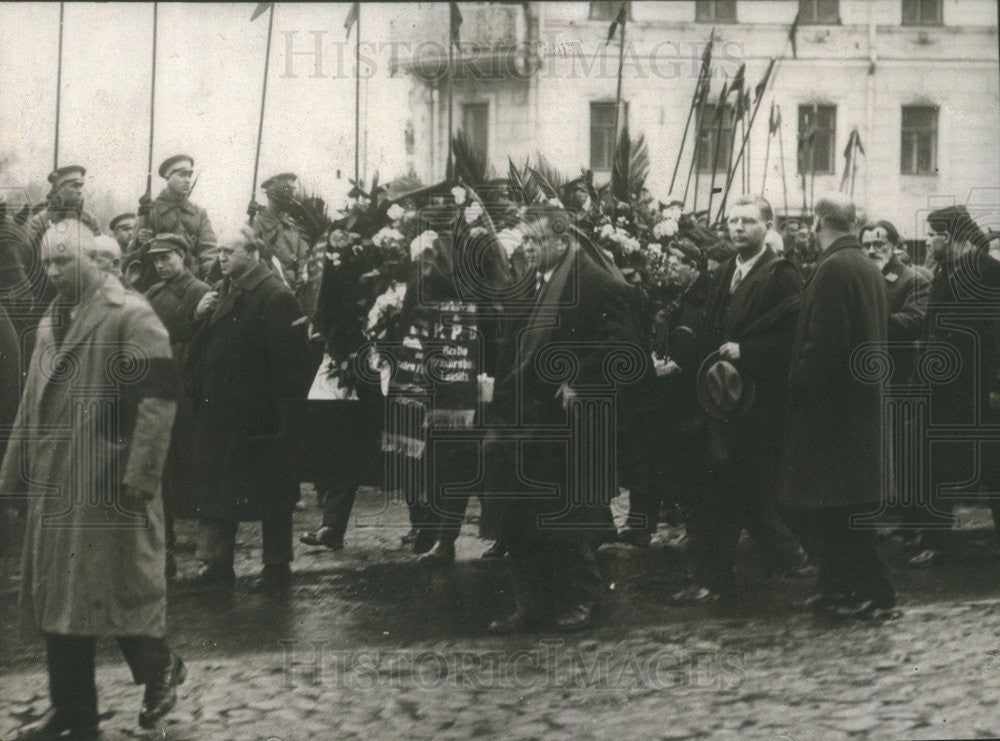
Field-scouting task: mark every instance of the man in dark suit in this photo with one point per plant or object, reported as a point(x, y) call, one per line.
point(564, 376)
point(833, 459)
point(174, 300)
point(906, 291)
point(747, 324)
point(249, 352)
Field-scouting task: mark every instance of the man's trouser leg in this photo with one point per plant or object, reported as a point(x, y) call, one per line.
point(147, 656)
point(337, 508)
point(755, 487)
point(72, 685)
point(216, 542)
point(719, 522)
point(574, 573)
point(856, 549)
point(276, 533)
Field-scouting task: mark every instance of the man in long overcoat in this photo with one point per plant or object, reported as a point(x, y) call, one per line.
point(963, 319)
point(173, 211)
point(749, 322)
point(249, 352)
point(582, 331)
point(833, 458)
point(87, 452)
point(174, 300)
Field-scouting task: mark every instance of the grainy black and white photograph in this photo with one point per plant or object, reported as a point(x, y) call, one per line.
point(521, 370)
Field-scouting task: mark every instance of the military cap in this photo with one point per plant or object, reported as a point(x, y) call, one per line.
point(168, 242)
point(118, 219)
point(58, 176)
point(170, 163)
point(284, 181)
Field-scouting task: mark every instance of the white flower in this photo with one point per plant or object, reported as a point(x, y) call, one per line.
point(673, 212)
point(555, 203)
point(510, 240)
point(629, 244)
point(424, 242)
point(473, 212)
point(587, 204)
point(386, 235)
point(666, 228)
point(476, 232)
point(459, 193)
point(396, 212)
point(606, 231)
point(655, 248)
point(388, 303)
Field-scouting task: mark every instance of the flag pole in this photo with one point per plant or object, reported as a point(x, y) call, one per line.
point(55, 151)
point(720, 112)
point(696, 150)
point(767, 148)
point(357, 96)
point(260, 122)
point(152, 110)
point(698, 91)
point(623, 14)
point(781, 156)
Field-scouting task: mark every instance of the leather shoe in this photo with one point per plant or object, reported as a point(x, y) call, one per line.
point(518, 621)
point(496, 551)
point(442, 554)
point(325, 537)
point(695, 594)
point(825, 601)
point(925, 559)
point(635, 537)
point(54, 723)
point(424, 541)
point(213, 575)
point(161, 694)
point(275, 580)
point(577, 617)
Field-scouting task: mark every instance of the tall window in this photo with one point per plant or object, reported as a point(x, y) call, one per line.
point(921, 12)
point(715, 11)
point(602, 133)
point(708, 132)
point(607, 10)
point(819, 11)
point(475, 125)
point(817, 138)
point(918, 149)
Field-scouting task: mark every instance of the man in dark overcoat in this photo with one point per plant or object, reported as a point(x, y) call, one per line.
point(833, 458)
point(963, 321)
point(249, 353)
point(174, 299)
point(749, 322)
point(565, 369)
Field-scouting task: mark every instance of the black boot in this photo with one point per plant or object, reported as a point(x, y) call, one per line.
point(55, 723)
point(275, 580)
point(161, 693)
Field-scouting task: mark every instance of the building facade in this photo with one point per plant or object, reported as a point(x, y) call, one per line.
point(917, 80)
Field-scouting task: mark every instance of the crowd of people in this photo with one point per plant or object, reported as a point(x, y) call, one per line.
point(162, 357)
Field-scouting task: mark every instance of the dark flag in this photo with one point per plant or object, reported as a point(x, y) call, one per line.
point(619, 20)
point(352, 17)
point(792, 33)
point(762, 85)
point(774, 121)
point(260, 10)
point(455, 22)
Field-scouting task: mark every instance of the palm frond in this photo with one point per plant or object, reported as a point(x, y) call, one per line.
point(471, 167)
point(630, 167)
point(522, 184)
point(547, 178)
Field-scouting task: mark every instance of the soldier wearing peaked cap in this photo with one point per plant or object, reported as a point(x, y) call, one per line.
point(174, 299)
point(122, 227)
point(65, 201)
point(172, 211)
point(283, 242)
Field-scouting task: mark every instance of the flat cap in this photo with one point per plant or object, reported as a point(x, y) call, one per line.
point(58, 176)
point(113, 224)
point(170, 163)
point(284, 181)
point(168, 242)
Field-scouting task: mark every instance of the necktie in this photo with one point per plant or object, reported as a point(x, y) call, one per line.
point(737, 279)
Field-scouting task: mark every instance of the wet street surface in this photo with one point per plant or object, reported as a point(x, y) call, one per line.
point(372, 644)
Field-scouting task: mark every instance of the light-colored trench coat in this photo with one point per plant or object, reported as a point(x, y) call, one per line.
point(95, 415)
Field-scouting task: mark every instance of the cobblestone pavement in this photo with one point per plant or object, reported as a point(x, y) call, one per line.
point(372, 644)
